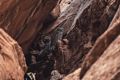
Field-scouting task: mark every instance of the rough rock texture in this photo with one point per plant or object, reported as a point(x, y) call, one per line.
point(83, 22)
point(73, 76)
point(102, 61)
point(22, 18)
point(12, 61)
point(64, 4)
point(102, 43)
point(107, 67)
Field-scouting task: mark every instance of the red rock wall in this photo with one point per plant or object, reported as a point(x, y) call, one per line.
point(22, 18)
point(12, 61)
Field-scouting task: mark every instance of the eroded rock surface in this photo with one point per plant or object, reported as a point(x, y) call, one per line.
point(22, 19)
point(12, 60)
point(102, 44)
point(84, 21)
point(102, 61)
point(107, 66)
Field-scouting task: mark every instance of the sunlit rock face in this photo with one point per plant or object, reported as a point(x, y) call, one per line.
point(12, 60)
point(64, 4)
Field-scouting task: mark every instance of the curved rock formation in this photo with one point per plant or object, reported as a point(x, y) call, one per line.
point(22, 19)
point(12, 60)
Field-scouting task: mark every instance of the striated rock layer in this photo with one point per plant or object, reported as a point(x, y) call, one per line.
point(22, 19)
point(107, 67)
point(102, 43)
point(83, 22)
point(102, 61)
point(12, 61)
